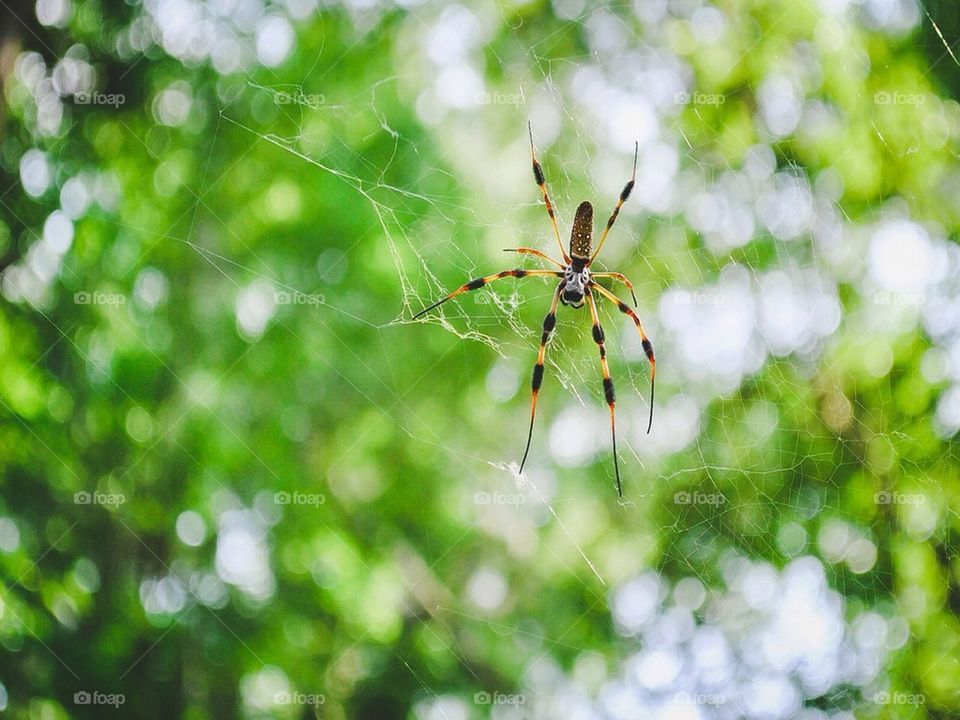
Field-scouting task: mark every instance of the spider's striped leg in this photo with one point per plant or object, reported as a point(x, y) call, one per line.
point(624, 194)
point(607, 383)
point(532, 251)
point(645, 341)
point(480, 282)
point(549, 322)
point(542, 182)
point(619, 277)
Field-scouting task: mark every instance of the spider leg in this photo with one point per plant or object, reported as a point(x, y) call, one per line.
point(624, 194)
point(542, 182)
point(645, 341)
point(607, 383)
point(621, 278)
point(532, 251)
point(549, 322)
point(480, 282)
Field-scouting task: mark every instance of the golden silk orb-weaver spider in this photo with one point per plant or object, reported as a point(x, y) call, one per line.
point(577, 283)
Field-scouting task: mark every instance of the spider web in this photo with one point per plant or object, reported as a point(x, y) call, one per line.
point(738, 268)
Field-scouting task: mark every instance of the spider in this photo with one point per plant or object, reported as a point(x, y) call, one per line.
point(577, 285)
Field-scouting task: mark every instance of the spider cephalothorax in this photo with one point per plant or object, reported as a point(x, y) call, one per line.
point(576, 286)
point(575, 283)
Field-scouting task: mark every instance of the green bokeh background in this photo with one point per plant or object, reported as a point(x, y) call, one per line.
point(178, 410)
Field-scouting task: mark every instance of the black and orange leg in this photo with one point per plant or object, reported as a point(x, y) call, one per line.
point(480, 282)
point(542, 183)
point(644, 340)
point(607, 384)
point(624, 194)
point(619, 277)
point(549, 323)
point(532, 251)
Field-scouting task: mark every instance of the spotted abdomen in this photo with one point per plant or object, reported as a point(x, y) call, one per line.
point(581, 239)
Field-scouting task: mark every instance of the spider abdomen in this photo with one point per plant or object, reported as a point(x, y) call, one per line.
point(581, 237)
